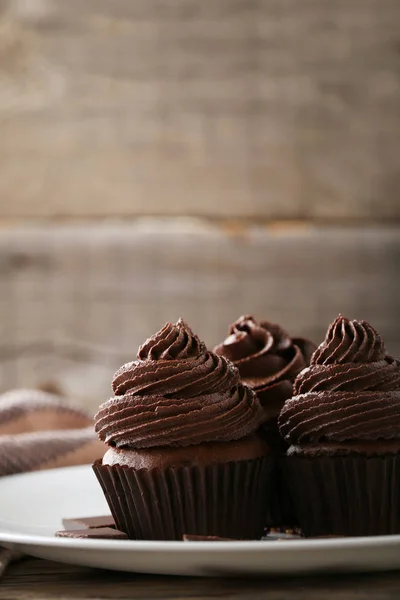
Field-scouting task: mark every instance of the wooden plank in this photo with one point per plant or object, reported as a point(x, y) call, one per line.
point(77, 301)
point(224, 108)
point(35, 579)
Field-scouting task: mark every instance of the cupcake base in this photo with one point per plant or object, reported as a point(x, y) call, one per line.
point(224, 500)
point(349, 495)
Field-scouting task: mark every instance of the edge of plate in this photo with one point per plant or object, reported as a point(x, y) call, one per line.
point(150, 546)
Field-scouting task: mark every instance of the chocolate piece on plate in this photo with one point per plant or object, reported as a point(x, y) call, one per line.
point(88, 522)
point(106, 533)
point(207, 538)
point(282, 533)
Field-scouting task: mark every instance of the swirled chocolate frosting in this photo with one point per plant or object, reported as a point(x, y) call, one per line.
point(350, 393)
point(177, 393)
point(268, 360)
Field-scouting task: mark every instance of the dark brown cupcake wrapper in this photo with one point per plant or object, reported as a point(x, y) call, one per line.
point(351, 496)
point(281, 509)
point(224, 500)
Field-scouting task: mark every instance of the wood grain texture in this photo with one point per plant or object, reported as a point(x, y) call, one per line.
point(256, 108)
point(76, 301)
point(36, 579)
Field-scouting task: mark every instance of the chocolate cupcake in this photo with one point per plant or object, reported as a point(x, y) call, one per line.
point(268, 360)
point(343, 427)
point(184, 455)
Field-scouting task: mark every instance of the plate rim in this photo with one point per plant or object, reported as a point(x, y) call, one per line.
point(365, 543)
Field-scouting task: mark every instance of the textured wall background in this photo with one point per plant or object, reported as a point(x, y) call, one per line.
point(274, 125)
point(76, 301)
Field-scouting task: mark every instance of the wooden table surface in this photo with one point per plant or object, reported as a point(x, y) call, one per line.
point(33, 578)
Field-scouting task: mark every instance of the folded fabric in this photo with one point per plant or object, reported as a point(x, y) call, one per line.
point(39, 430)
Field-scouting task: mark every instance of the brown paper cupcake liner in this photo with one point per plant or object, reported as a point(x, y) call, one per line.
point(224, 500)
point(281, 509)
point(351, 496)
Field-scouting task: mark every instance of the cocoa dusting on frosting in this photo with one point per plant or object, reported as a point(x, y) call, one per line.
point(268, 359)
point(350, 392)
point(176, 394)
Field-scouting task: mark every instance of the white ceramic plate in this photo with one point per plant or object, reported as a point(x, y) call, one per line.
point(32, 506)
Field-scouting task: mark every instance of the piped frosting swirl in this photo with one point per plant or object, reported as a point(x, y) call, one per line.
point(351, 391)
point(177, 394)
point(268, 360)
point(349, 342)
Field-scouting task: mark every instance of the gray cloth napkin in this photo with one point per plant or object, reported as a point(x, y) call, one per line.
point(39, 430)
